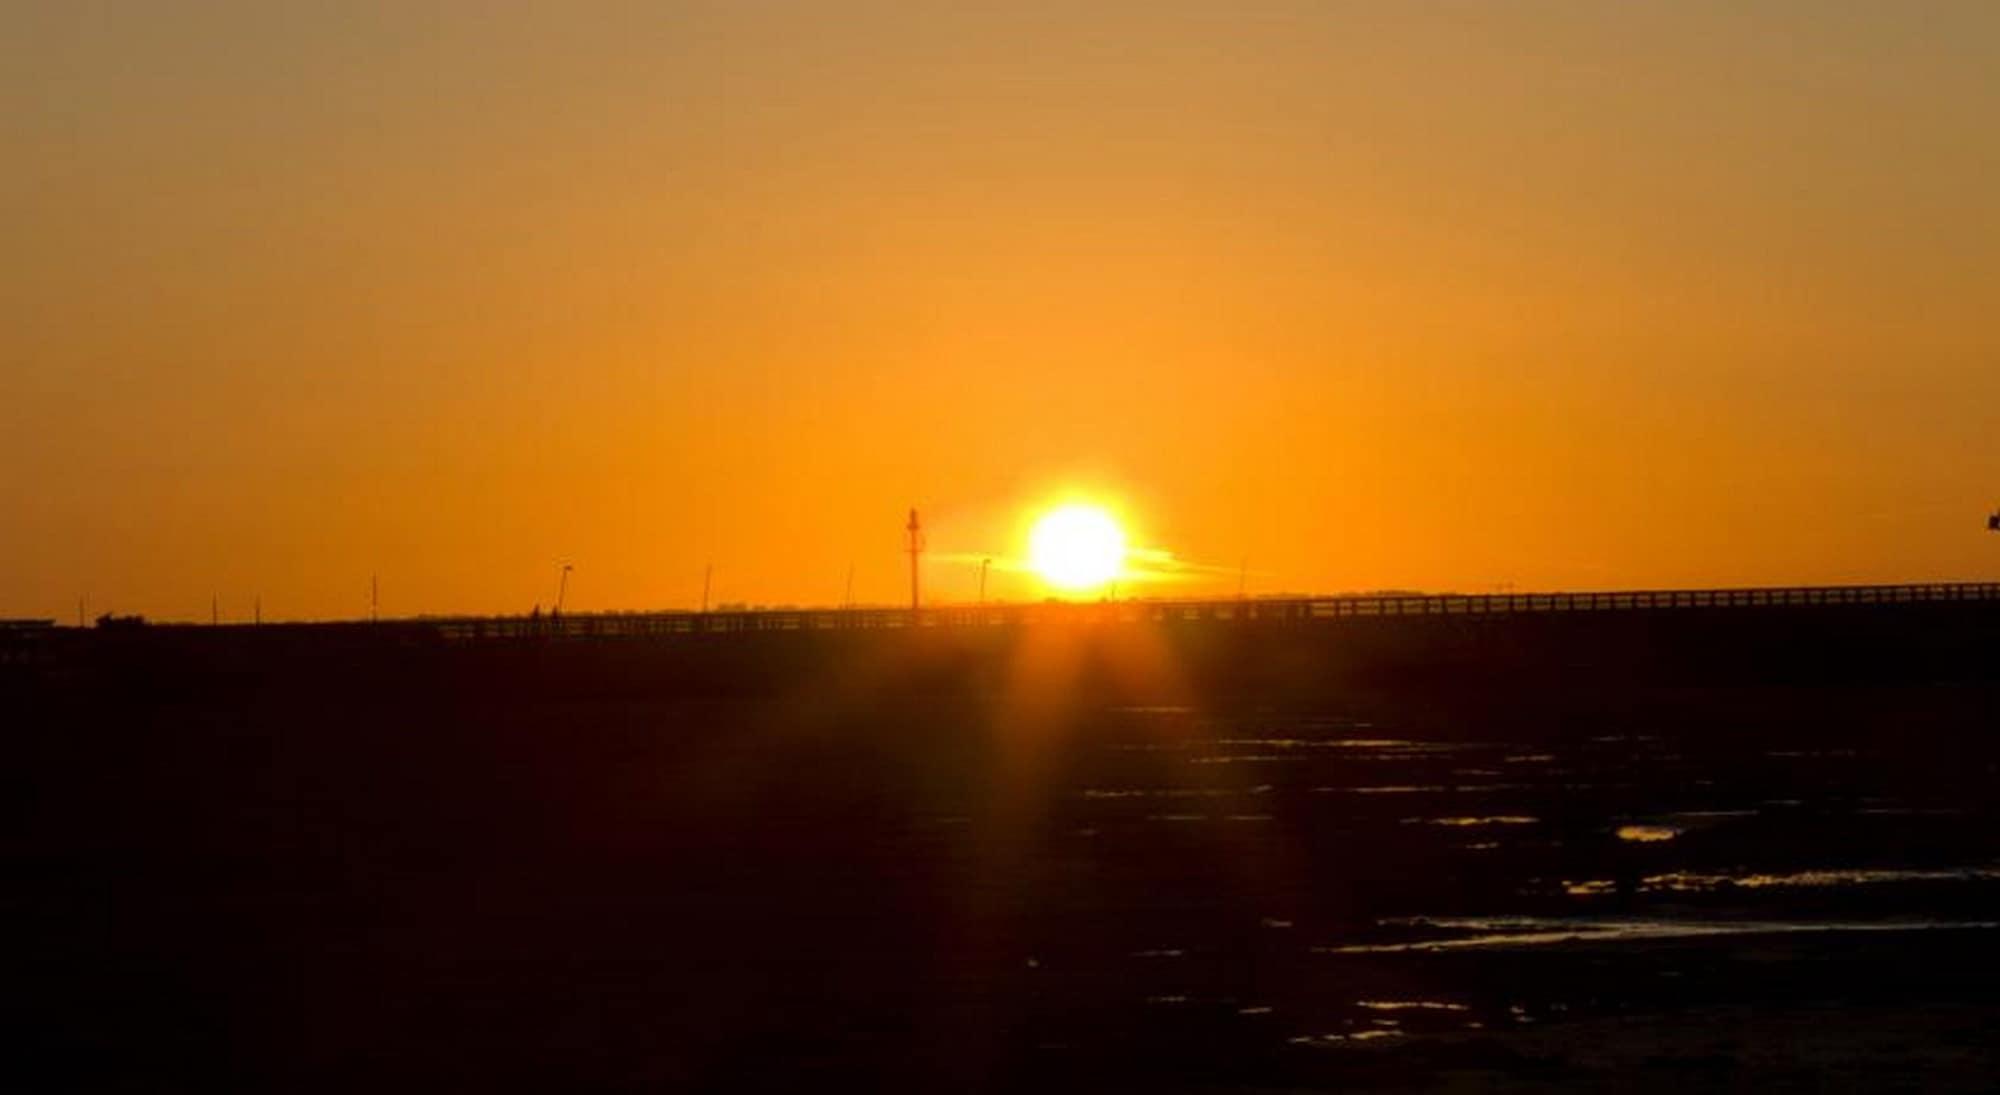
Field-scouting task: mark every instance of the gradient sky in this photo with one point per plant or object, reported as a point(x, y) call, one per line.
point(1431, 295)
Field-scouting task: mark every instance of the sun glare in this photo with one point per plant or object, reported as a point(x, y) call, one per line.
point(1077, 548)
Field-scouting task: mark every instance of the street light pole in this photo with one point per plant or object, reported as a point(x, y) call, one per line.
point(915, 546)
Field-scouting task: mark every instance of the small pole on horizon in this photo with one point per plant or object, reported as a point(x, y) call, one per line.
point(916, 549)
point(707, 577)
point(562, 587)
point(847, 599)
point(984, 566)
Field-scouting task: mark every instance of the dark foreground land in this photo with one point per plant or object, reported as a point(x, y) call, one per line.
point(1729, 849)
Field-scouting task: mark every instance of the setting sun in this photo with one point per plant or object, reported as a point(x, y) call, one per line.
point(1077, 547)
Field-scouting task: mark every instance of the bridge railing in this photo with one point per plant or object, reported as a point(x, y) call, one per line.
point(662, 624)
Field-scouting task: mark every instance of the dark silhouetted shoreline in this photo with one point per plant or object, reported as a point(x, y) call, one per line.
point(1638, 849)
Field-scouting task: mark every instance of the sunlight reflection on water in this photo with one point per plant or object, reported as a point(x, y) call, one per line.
point(1466, 822)
point(1343, 1039)
point(1698, 882)
point(1530, 931)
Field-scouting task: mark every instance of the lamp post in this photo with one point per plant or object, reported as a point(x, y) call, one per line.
point(915, 546)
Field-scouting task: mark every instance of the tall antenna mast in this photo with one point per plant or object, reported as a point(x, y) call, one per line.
point(915, 529)
point(848, 600)
point(984, 566)
point(562, 587)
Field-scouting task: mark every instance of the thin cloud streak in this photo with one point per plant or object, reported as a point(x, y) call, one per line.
point(1152, 565)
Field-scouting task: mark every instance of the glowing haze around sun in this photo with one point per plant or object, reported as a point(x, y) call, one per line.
point(1077, 548)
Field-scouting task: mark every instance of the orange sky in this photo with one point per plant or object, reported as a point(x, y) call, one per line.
point(1414, 295)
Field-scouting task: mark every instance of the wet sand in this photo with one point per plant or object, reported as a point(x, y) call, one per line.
point(1061, 868)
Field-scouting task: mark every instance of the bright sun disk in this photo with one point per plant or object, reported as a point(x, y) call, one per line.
point(1077, 547)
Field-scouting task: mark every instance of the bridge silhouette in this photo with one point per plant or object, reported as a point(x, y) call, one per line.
point(1278, 611)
